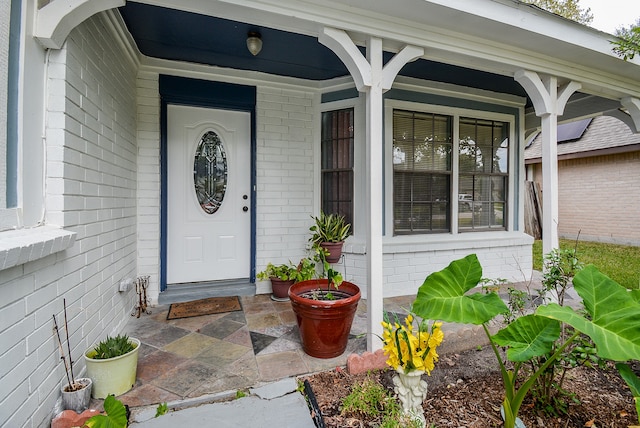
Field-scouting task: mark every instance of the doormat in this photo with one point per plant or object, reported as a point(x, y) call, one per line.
point(196, 308)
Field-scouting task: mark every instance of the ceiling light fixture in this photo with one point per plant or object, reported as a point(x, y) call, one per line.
point(254, 43)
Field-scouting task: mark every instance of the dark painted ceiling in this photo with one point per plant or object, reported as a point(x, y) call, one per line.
point(189, 37)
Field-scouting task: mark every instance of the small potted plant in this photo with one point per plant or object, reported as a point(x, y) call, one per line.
point(76, 394)
point(284, 275)
point(112, 364)
point(329, 232)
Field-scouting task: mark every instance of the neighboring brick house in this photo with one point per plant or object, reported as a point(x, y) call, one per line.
point(598, 180)
point(109, 105)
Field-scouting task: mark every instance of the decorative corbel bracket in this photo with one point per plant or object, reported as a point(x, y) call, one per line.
point(546, 96)
point(342, 45)
point(633, 108)
point(55, 20)
point(359, 67)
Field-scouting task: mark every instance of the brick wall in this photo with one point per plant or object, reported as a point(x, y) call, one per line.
point(285, 172)
point(504, 255)
point(91, 190)
point(148, 136)
point(600, 198)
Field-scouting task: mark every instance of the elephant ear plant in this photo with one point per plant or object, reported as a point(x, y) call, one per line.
point(611, 320)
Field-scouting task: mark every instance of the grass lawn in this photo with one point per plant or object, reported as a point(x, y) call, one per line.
point(619, 262)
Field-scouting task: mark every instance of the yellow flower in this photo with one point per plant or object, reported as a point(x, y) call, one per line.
point(429, 365)
point(410, 351)
point(436, 338)
point(409, 322)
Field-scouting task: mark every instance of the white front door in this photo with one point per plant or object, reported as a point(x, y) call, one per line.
point(208, 194)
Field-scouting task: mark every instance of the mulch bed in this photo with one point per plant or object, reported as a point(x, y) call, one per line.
point(465, 390)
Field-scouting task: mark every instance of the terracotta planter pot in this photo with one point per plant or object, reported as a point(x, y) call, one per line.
point(280, 289)
point(334, 249)
point(324, 324)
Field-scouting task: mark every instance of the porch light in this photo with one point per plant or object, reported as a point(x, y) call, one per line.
point(254, 43)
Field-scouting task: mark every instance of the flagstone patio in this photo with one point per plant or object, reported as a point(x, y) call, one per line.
point(188, 358)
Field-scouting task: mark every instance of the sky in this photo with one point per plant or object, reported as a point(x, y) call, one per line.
point(611, 14)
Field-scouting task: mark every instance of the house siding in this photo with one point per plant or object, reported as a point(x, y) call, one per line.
point(599, 198)
point(91, 190)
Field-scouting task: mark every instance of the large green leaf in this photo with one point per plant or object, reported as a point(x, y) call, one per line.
point(630, 377)
point(116, 415)
point(527, 337)
point(442, 295)
point(634, 383)
point(615, 315)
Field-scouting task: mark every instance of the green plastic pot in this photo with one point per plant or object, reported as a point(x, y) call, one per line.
point(115, 375)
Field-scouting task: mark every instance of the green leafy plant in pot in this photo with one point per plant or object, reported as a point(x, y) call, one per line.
point(324, 308)
point(112, 364)
point(329, 232)
point(284, 275)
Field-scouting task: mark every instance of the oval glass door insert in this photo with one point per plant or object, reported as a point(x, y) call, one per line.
point(210, 172)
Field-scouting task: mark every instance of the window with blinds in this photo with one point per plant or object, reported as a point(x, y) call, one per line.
point(337, 144)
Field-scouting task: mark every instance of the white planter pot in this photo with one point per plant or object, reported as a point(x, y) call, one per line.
point(411, 391)
point(114, 375)
point(77, 400)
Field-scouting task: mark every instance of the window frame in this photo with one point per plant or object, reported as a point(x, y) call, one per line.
point(456, 113)
point(490, 175)
point(23, 227)
point(430, 173)
point(9, 213)
point(359, 167)
point(335, 170)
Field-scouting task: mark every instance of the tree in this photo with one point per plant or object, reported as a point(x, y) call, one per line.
point(570, 9)
point(628, 43)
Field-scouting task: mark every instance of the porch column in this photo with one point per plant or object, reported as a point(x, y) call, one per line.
point(633, 107)
point(373, 79)
point(549, 102)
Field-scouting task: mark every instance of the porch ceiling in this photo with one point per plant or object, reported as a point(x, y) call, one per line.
point(189, 37)
point(215, 34)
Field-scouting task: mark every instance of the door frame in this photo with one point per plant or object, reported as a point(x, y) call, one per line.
point(217, 95)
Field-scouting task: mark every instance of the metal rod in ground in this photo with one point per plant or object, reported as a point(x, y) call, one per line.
point(62, 357)
point(66, 329)
point(316, 414)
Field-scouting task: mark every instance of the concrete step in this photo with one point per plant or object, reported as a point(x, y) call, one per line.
point(176, 293)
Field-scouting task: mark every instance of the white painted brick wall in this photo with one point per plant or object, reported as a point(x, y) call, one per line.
point(148, 115)
point(507, 256)
point(91, 190)
point(285, 175)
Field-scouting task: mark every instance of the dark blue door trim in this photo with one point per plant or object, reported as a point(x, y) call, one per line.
point(203, 93)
